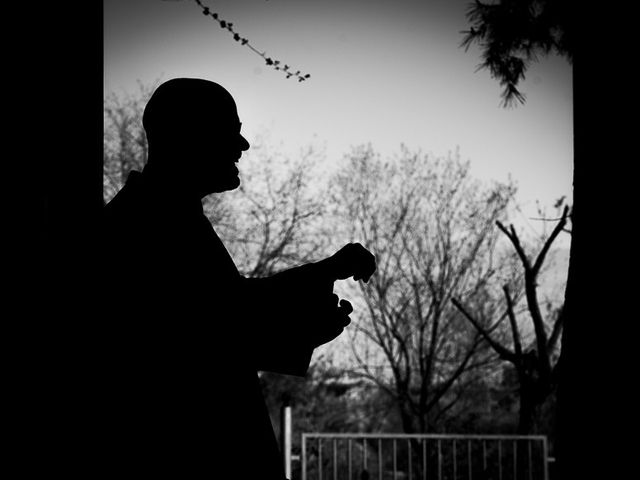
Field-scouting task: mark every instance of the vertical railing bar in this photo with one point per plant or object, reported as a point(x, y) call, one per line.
point(319, 458)
point(499, 459)
point(530, 466)
point(424, 459)
point(409, 458)
point(304, 457)
point(545, 452)
point(395, 454)
point(515, 460)
point(349, 459)
point(379, 459)
point(469, 464)
point(455, 461)
point(439, 459)
point(364, 456)
point(335, 459)
point(484, 457)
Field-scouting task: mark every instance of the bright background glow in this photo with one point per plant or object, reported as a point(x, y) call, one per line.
point(382, 72)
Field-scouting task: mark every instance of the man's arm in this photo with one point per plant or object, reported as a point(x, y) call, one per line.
point(352, 260)
point(296, 310)
point(289, 320)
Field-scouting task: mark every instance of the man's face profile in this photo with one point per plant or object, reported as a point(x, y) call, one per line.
point(193, 124)
point(212, 151)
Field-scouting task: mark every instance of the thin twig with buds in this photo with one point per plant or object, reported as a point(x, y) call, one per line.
point(286, 69)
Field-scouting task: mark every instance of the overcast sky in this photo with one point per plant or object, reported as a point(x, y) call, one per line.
point(382, 72)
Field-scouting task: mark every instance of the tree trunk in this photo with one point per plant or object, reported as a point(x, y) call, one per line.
point(599, 143)
point(406, 418)
point(526, 412)
point(571, 388)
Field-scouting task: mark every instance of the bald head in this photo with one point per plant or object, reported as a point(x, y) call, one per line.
point(192, 126)
point(185, 104)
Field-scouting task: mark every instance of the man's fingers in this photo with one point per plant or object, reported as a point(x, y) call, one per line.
point(343, 320)
point(345, 309)
point(346, 306)
point(365, 263)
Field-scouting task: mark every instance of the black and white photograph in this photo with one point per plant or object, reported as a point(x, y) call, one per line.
point(334, 240)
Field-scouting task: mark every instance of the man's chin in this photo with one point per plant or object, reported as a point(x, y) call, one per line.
point(235, 183)
point(230, 184)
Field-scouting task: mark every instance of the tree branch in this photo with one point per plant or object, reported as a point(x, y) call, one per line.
point(455, 375)
point(500, 350)
point(514, 325)
point(530, 274)
point(513, 236)
point(557, 328)
point(558, 228)
point(276, 64)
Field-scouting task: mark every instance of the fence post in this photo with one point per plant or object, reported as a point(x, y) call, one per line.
point(285, 438)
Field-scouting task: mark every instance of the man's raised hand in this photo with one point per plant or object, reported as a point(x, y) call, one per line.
point(352, 260)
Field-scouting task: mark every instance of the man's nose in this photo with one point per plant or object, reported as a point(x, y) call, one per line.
point(244, 144)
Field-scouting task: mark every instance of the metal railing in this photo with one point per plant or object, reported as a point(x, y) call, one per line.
point(363, 456)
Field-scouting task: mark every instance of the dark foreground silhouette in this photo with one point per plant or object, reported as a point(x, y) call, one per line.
point(187, 333)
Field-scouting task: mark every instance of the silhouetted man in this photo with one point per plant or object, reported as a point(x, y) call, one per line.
point(187, 333)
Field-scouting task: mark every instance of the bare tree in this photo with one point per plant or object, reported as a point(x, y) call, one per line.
point(277, 215)
point(430, 226)
point(536, 364)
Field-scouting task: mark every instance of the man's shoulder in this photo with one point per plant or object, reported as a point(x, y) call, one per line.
point(135, 202)
point(129, 213)
point(130, 192)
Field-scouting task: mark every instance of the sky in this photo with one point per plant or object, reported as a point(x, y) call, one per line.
point(382, 72)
